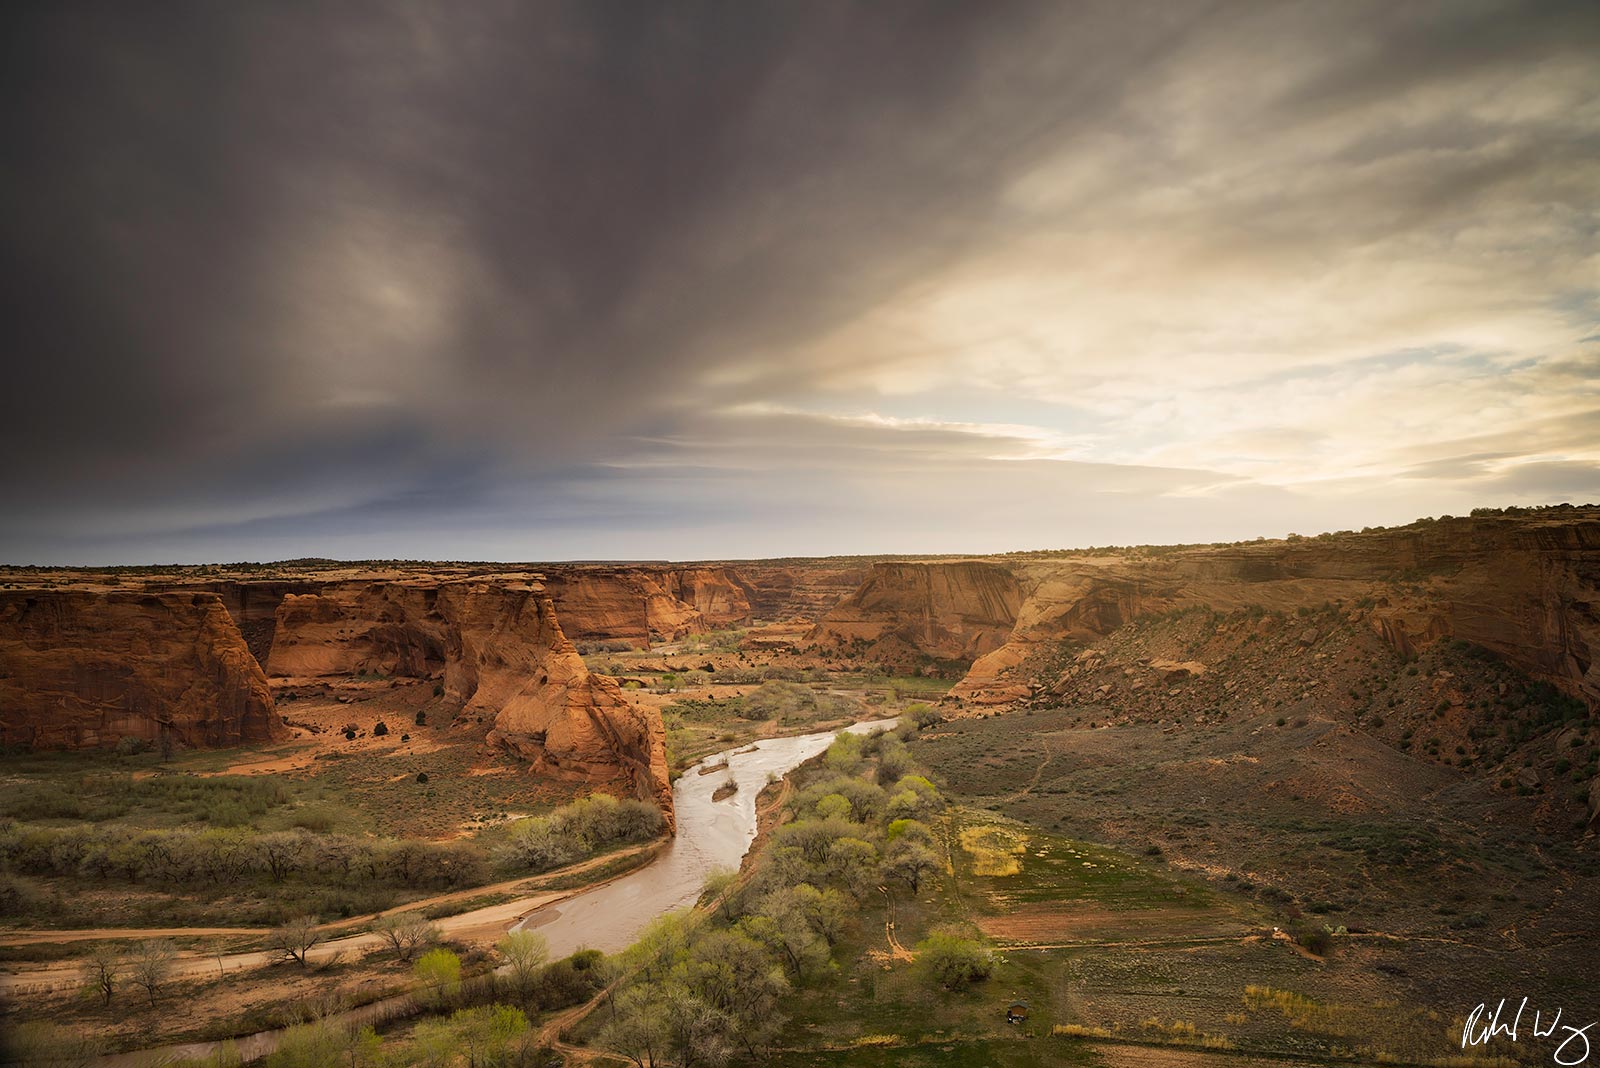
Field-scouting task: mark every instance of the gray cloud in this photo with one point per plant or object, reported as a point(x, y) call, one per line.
point(519, 280)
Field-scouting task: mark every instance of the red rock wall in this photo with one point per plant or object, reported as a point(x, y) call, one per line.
point(640, 605)
point(80, 669)
point(956, 610)
point(499, 650)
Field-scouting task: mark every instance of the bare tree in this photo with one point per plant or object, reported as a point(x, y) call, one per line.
point(295, 938)
point(407, 933)
point(101, 970)
point(151, 965)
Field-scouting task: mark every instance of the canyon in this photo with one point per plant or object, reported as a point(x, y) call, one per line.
point(85, 661)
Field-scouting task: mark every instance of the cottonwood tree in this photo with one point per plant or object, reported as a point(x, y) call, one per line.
point(732, 973)
point(294, 939)
point(360, 1047)
point(439, 972)
point(525, 953)
point(911, 862)
point(638, 1027)
point(484, 1035)
point(101, 970)
point(780, 924)
point(854, 862)
point(309, 1045)
point(150, 965)
point(826, 910)
point(953, 961)
point(407, 933)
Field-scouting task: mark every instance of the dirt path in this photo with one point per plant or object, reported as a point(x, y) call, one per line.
point(1038, 774)
point(477, 925)
point(521, 883)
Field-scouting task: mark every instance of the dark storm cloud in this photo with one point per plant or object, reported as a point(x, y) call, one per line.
point(395, 267)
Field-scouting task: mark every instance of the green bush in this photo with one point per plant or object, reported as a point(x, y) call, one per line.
point(954, 961)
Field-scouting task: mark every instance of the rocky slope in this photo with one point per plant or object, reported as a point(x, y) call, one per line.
point(499, 652)
point(80, 669)
point(1525, 587)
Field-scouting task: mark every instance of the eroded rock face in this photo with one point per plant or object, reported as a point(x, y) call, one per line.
point(954, 611)
point(80, 669)
point(780, 592)
point(500, 652)
point(1527, 588)
point(640, 605)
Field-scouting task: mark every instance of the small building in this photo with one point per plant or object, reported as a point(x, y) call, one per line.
point(1017, 1012)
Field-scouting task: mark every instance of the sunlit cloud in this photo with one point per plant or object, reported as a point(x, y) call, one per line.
point(499, 282)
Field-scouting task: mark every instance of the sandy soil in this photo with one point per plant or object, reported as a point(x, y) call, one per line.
point(478, 925)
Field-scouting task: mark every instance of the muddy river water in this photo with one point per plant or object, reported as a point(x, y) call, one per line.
point(711, 834)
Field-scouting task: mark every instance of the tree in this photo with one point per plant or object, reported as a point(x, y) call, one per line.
point(525, 953)
point(781, 925)
point(732, 973)
point(439, 972)
point(100, 972)
point(282, 852)
point(826, 910)
point(854, 862)
point(911, 862)
point(721, 885)
point(953, 961)
point(638, 1027)
point(834, 806)
point(844, 755)
point(295, 938)
point(407, 933)
point(910, 829)
point(484, 1034)
point(310, 1045)
point(151, 964)
point(361, 1046)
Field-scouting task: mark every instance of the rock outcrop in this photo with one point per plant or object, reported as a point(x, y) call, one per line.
point(500, 653)
point(82, 668)
point(643, 604)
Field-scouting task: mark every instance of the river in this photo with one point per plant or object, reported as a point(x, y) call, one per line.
point(711, 834)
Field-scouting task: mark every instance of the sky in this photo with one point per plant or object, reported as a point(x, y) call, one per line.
point(616, 280)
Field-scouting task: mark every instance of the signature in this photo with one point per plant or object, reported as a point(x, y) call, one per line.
point(1483, 1026)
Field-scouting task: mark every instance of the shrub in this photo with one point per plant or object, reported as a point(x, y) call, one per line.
point(954, 961)
point(422, 776)
point(380, 729)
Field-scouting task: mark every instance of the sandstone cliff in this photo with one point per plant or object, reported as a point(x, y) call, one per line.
point(953, 610)
point(779, 591)
point(499, 651)
point(80, 669)
point(644, 604)
point(1525, 587)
